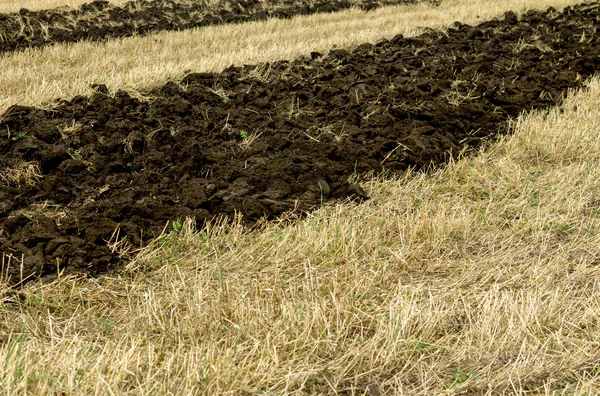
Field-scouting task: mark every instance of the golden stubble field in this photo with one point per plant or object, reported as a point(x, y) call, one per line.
point(478, 278)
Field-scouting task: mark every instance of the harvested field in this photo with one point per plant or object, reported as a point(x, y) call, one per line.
point(101, 20)
point(480, 276)
point(111, 172)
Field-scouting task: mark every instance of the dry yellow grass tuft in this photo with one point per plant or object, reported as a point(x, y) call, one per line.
point(482, 277)
point(34, 77)
point(25, 173)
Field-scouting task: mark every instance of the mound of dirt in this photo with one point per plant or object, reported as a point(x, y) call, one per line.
point(100, 20)
point(266, 139)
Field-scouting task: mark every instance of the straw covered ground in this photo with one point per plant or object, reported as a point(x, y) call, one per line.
point(480, 276)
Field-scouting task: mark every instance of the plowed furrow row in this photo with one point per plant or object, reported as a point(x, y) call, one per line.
point(100, 20)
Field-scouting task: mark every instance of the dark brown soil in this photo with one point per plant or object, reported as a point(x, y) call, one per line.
point(100, 20)
point(272, 138)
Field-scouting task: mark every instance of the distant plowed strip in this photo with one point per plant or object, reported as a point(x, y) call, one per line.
point(35, 77)
point(7, 6)
point(101, 20)
point(272, 138)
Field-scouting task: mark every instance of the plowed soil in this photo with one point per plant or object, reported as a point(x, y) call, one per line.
point(266, 139)
point(100, 20)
